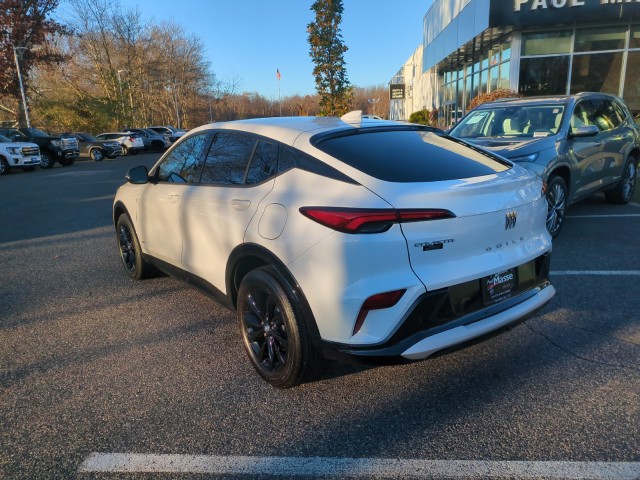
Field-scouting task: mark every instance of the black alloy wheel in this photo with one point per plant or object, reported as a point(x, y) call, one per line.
point(556, 204)
point(274, 335)
point(130, 251)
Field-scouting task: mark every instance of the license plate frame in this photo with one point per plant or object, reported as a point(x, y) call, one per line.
point(499, 286)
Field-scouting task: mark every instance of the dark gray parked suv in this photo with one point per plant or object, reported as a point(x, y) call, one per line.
point(579, 144)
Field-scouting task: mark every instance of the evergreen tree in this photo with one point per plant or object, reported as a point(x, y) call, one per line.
point(327, 52)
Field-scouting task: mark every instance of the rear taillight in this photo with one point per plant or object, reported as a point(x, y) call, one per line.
point(365, 220)
point(377, 302)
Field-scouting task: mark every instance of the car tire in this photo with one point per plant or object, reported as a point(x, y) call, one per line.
point(133, 151)
point(623, 191)
point(125, 150)
point(274, 334)
point(557, 197)
point(130, 252)
point(4, 167)
point(96, 154)
point(46, 161)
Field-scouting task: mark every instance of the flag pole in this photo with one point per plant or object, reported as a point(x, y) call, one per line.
point(279, 100)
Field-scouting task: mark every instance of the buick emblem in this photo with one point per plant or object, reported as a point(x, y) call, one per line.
point(510, 221)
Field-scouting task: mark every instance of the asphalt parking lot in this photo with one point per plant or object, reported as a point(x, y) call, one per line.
point(102, 377)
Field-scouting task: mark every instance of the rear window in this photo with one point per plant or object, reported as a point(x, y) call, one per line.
point(409, 156)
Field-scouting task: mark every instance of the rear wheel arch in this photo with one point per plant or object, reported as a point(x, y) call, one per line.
point(248, 257)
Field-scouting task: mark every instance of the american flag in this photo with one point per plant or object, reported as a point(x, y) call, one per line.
point(278, 73)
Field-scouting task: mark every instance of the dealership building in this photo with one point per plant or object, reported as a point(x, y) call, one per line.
point(536, 47)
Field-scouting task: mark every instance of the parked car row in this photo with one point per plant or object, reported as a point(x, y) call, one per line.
point(62, 149)
point(25, 148)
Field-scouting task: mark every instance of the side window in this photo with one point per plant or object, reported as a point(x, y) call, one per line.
point(620, 111)
point(263, 163)
point(291, 158)
point(184, 163)
point(227, 160)
point(17, 136)
point(287, 160)
point(604, 116)
point(583, 114)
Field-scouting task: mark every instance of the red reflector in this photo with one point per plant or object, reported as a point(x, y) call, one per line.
point(354, 220)
point(377, 302)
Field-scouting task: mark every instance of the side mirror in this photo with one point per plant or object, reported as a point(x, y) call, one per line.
point(585, 131)
point(138, 175)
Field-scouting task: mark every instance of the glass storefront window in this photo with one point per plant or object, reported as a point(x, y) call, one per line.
point(506, 52)
point(544, 76)
point(460, 96)
point(451, 91)
point(494, 55)
point(476, 85)
point(631, 92)
point(635, 37)
point(505, 75)
point(485, 60)
point(546, 43)
point(476, 65)
point(493, 78)
point(599, 72)
point(483, 82)
point(593, 39)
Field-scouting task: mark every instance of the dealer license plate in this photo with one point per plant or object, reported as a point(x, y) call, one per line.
point(499, 287)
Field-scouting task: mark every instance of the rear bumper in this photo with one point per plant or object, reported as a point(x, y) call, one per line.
point(464, 333)
point(435, 322)
point(423, 345)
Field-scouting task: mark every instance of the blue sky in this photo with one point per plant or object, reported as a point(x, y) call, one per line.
point(249, 39)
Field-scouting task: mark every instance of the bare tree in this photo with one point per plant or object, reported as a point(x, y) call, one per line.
point(25, 27)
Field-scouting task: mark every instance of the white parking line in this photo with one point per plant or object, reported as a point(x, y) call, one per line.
point(355, 467)
point(624, 273)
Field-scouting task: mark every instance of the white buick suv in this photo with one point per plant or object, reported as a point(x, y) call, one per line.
point(341, 238)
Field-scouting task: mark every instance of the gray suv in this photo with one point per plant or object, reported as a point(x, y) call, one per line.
point(579, 144)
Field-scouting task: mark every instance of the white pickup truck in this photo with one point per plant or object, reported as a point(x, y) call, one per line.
point(18, 155)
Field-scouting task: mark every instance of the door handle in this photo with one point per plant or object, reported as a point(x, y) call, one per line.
point(174, 198)
point(240, 203)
